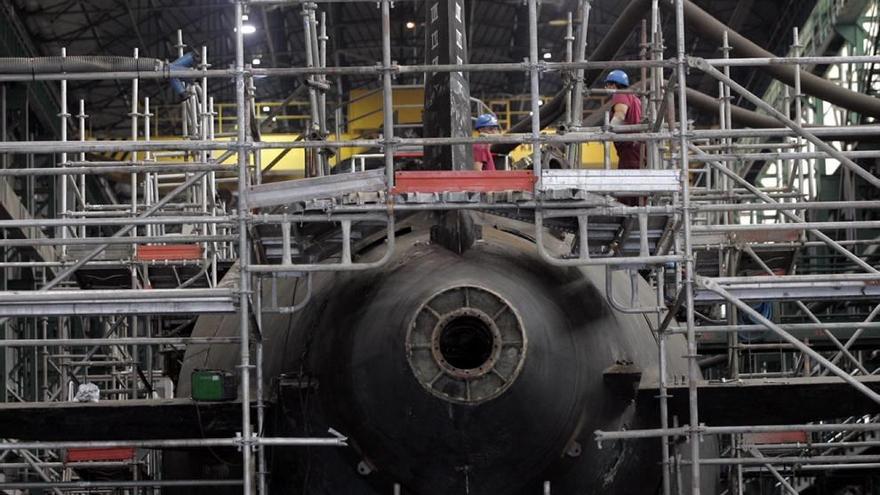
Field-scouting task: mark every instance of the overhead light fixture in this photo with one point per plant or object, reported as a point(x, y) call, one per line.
point(410, 25)
point(244, 17)
point(548, 56)
point(266, 109)
point(256, 61)
point(248, 29)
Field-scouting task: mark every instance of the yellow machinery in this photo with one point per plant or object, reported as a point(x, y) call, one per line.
point(364, 121)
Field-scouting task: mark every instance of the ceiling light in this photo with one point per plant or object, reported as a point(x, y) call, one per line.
point(256, 61)
point(248, 29)
point(244, 17)
point(548, 56)
point(410, 25)
point(266, 109)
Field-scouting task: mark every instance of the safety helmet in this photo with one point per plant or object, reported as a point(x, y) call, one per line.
point(486, 120)
point(618, 77)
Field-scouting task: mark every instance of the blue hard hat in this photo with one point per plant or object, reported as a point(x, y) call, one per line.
point(486, 120)
point(618, 77)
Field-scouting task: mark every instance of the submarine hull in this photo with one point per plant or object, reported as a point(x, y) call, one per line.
point(458, 367)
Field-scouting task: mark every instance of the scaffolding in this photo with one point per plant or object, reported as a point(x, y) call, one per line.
point(114, 282)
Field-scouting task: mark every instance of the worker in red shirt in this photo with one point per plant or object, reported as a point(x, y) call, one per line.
point(486, 125)
point(626, 109)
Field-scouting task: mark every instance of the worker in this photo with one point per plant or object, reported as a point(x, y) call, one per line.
point(486, 125)
point(626, 109)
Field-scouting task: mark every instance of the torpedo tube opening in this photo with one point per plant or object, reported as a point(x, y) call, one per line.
point(466, 345)
point(466, 342)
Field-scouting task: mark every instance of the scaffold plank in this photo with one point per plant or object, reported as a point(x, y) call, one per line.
point(100, 454)
point(769, 400)
point(168, 252)
point(113, 419)
point(300, 190)
point(463, 181)
point(612, 181)
point(705, 240)
point(791, 289)
point(104, 302)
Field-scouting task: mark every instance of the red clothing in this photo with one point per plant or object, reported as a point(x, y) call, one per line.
point(629, 153)
point(483, 154)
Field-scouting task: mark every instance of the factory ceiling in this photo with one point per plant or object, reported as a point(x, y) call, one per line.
point(498, 32)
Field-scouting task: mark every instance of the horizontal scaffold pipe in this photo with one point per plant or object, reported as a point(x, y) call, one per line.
point(791, 327)
point(335, 441)
point(80, 486)
point(49, 147)
point(163, 220)
point(74, 241)
point(811, 155)
point(120, 341)
point(301, 2)
point(123, 169)
point(354, 70)
point(605, 436)
point(761, 461)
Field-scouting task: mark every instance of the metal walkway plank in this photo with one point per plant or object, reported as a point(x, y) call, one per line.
point(794, 291)
point(301, 190)
point(611, 181)
point(111, 302)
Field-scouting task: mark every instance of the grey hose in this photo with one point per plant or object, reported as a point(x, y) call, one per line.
point(51, 65)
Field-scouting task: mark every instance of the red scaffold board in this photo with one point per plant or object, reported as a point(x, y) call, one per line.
point(464, 181)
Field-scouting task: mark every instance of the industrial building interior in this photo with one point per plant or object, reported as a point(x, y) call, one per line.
point(251, 246)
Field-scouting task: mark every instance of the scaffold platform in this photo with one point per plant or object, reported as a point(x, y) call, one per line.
point(116, 420)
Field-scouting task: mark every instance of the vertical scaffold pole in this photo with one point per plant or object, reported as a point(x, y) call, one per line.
point(4, 157)
point(244, 331)
point(688, 287)
point(81, 120)
point(62, 180)
point(535, 91)
point(580, 55)
point(387, 95)
point(654, 162)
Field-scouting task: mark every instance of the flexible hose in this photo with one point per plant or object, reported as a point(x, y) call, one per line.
point(52, 65)
point(712, 29)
